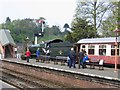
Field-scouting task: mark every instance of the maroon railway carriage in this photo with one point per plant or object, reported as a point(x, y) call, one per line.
point(101, 48)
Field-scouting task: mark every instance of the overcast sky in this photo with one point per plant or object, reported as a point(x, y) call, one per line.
point(56, 12)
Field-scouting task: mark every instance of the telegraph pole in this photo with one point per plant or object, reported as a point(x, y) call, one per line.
point(42, 22)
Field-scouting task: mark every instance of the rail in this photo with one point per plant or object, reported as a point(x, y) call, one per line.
point(23, 73)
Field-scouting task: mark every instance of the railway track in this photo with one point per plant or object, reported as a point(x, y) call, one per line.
point(25, 76)
point(23, 81)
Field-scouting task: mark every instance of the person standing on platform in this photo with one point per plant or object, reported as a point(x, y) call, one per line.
point(15, 50)
point(0, 55)
point(83, 50)
point(18, 52)
point(85, 59)
point(37, 55)
point(68, 61)
point(81, 56)
point(72, 56)
point(28, 54)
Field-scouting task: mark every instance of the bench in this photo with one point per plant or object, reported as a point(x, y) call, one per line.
point(43, 58)
point(61, 59)
point(95, 62)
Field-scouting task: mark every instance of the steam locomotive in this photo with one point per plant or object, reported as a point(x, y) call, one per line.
point(52, 48)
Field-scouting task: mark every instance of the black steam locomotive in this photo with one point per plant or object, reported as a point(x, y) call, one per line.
point(52, 48)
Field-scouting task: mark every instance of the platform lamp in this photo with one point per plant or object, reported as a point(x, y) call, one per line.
point(116, 45)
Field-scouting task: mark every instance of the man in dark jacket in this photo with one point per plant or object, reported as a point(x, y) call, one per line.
point(72, 56)
point(81, 56)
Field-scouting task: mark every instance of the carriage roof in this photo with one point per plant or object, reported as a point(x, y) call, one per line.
point(99, 40)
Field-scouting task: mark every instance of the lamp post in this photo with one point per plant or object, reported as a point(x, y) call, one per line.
point(116, 46)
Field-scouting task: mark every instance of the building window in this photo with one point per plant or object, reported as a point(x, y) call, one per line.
point(102, 49)
point(91, 49)
point(113, 50)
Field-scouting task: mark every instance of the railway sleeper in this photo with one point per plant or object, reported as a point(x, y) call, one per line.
point(34, 81)
point(96, 80)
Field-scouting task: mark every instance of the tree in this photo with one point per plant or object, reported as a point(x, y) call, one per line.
point(93, 11)
point(66, 26)
point(80, 29)
point(7, 23)
point(54, 30)
point(8, 20)
point(119, 14)
point(107, 27)
point(20, 29)
point(113, 20)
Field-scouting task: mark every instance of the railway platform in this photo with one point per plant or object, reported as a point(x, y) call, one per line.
point(107, 73)
point(4, 85)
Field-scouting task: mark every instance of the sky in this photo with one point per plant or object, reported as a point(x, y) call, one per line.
point(56, 12)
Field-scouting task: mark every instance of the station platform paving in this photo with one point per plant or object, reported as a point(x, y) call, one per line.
point(6, 86)
point(107, 73)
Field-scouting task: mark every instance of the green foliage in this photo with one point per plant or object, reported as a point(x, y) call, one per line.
point(80, 29)
point(119, 15)
point(66, 26)
point(54, 30)
point(108, 26)
point(1, 25)
point(110, 23)
point(20, 29)
point(8, 20)
point(94, 11)
point(52, 33)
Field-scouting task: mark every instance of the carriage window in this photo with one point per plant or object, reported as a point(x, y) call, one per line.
point(91, 49)
point(83, 46)
point(113, 50)
point(102, 49)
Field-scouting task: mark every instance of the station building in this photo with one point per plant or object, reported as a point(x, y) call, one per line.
point(7, 44)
